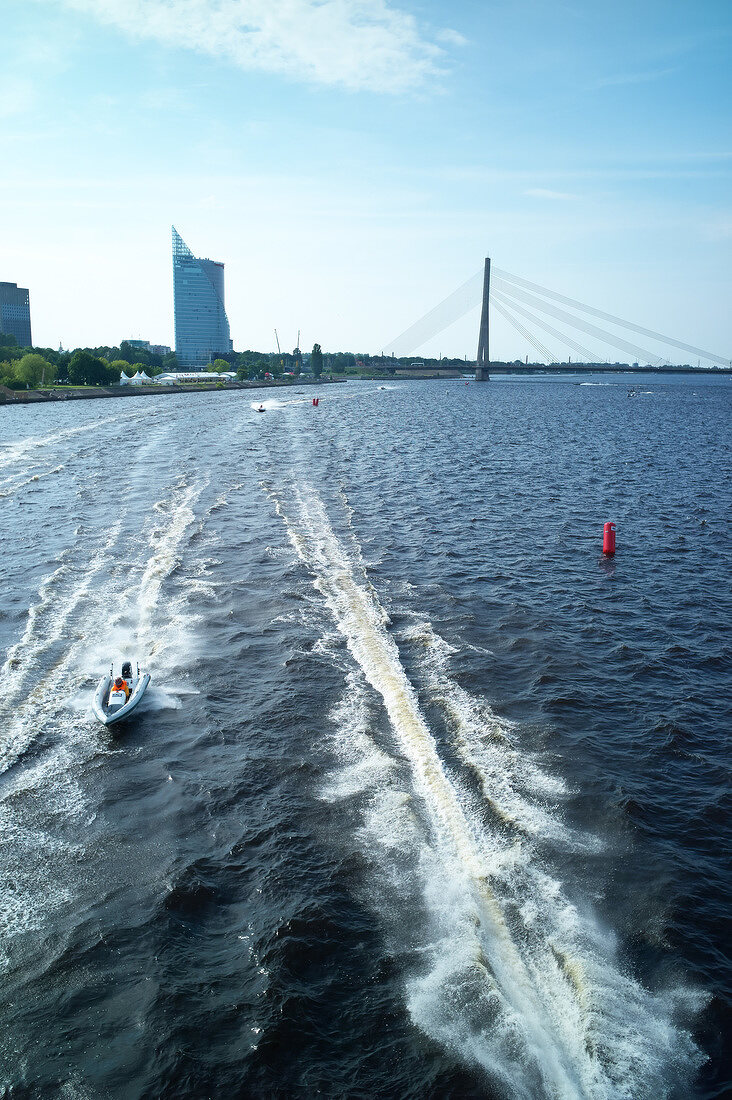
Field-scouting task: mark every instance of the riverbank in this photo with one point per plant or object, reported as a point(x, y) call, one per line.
point(92, 393)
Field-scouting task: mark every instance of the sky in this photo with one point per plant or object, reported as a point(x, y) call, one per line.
point(353, 161)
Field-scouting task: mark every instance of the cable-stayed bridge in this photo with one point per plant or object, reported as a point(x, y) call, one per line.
point(526, 307)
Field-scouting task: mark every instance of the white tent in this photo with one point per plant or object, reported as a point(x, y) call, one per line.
point(123, 379)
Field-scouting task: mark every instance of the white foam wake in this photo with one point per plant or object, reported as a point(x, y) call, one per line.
point(21, 449)
point(38, 664)
point(179, 513)
point(513, 977)
point(76, 627)
point(83, 620)
point(10, 485)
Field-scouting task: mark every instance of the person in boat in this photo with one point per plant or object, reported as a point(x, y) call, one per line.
point(121, 685)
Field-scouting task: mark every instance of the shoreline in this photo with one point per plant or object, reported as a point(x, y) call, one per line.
point(34, 397)
point(71, 393)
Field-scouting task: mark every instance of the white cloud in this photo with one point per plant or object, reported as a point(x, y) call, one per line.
point(543, 193)
point(451, 37)
point(357, 44)
point(634, 78)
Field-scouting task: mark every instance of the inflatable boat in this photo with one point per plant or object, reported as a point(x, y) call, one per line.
point(117, 697)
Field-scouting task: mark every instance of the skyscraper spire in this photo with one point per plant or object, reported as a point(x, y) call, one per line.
point(180, 248)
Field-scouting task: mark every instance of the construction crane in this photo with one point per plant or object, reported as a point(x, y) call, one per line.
point(279, 350)
point(297, 355)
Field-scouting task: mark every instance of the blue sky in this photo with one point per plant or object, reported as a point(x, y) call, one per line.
point(353, 161)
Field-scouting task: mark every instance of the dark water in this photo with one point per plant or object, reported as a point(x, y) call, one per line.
point(427, 798)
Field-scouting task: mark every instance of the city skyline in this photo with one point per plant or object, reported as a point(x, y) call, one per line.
point(354, 163)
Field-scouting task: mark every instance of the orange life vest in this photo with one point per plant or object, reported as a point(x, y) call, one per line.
point(121, 685)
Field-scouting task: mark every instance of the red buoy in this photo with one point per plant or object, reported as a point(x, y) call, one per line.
point(608, 539)
point(315, 401)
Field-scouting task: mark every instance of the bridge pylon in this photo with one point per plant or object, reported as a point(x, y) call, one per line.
point(483, 361)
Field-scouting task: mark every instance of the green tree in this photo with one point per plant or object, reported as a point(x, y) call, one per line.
point(220, 365)
point(7, 375)
point(316, 360)
point(133, 354)
point(62, 365)
point(242, 374)
point(9, 350)
point(121, 366)
point(86, 370)
point(34, 370)
point(259, 367)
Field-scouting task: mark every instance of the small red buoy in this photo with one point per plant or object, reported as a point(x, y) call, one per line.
point(608, 539)
point(315, 401)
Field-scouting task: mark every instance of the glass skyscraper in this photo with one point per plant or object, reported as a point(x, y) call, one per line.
point(15, 313)
point(201, 324)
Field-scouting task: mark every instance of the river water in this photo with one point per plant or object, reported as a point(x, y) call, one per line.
point(426, 799)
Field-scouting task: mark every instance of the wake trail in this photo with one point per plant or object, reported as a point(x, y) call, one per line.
point(22, 449)
point(517, 979)
point(9, 485)
point(34, 666)
point(77, 625)
point(165, 544)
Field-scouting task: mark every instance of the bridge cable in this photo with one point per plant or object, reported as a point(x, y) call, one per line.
point(468, 296)
point(609, 317)
point(446, 313)
point(543, 351)
point(578, 322)
point(590, 356)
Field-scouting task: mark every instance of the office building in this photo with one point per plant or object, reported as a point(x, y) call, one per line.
point(15, 313)
point(145, 345)
point(201, 324)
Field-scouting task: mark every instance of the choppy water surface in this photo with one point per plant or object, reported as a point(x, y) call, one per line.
point(427, 798)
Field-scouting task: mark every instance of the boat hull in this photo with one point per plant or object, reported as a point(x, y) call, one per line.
point(109, 716)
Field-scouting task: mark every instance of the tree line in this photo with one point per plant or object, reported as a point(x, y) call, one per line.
point(255, 364)
point(34, 367)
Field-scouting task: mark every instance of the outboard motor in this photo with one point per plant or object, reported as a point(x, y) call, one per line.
point(127, 670)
